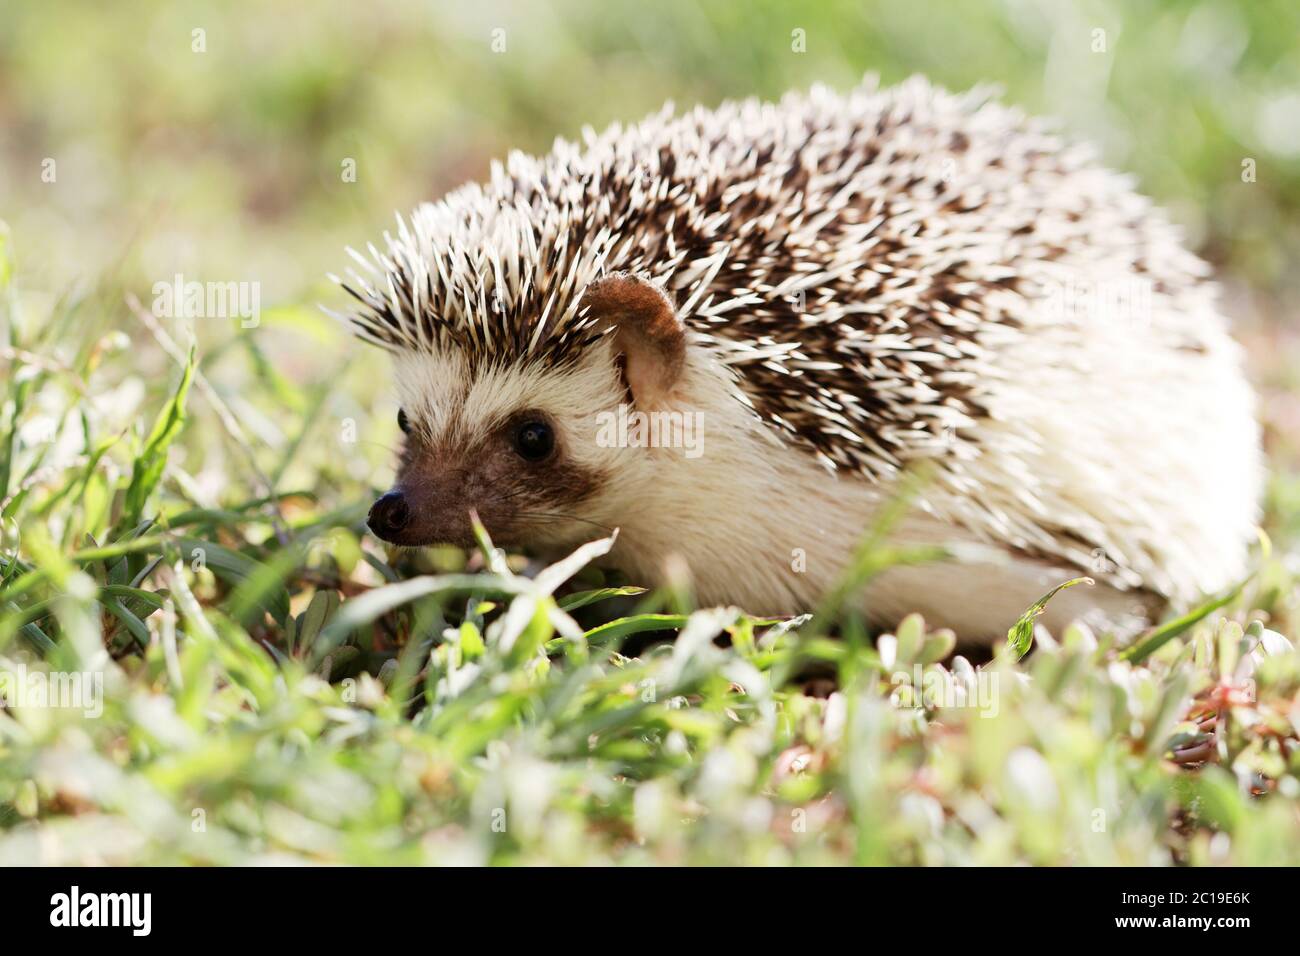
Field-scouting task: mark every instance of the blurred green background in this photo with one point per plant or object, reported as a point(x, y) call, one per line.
point(227, 164)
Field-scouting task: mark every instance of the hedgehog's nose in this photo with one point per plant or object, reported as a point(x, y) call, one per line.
point(390, 515)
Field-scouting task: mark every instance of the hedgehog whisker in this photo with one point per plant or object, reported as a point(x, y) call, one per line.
point(560, 516)
point(514, 494)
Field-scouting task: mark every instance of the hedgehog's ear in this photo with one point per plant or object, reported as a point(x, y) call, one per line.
point(647, 333)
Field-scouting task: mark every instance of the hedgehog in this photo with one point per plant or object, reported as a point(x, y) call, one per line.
point(811, 299)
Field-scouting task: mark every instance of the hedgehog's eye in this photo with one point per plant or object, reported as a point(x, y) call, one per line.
point(403, 422)
point(534, 440)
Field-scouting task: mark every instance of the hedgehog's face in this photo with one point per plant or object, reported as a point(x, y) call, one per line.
point(508, 445)
point(521, 445)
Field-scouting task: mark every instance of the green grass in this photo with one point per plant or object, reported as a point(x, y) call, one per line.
point(277, 687)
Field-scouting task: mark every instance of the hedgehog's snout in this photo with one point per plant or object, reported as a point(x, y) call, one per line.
point(389, 516)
